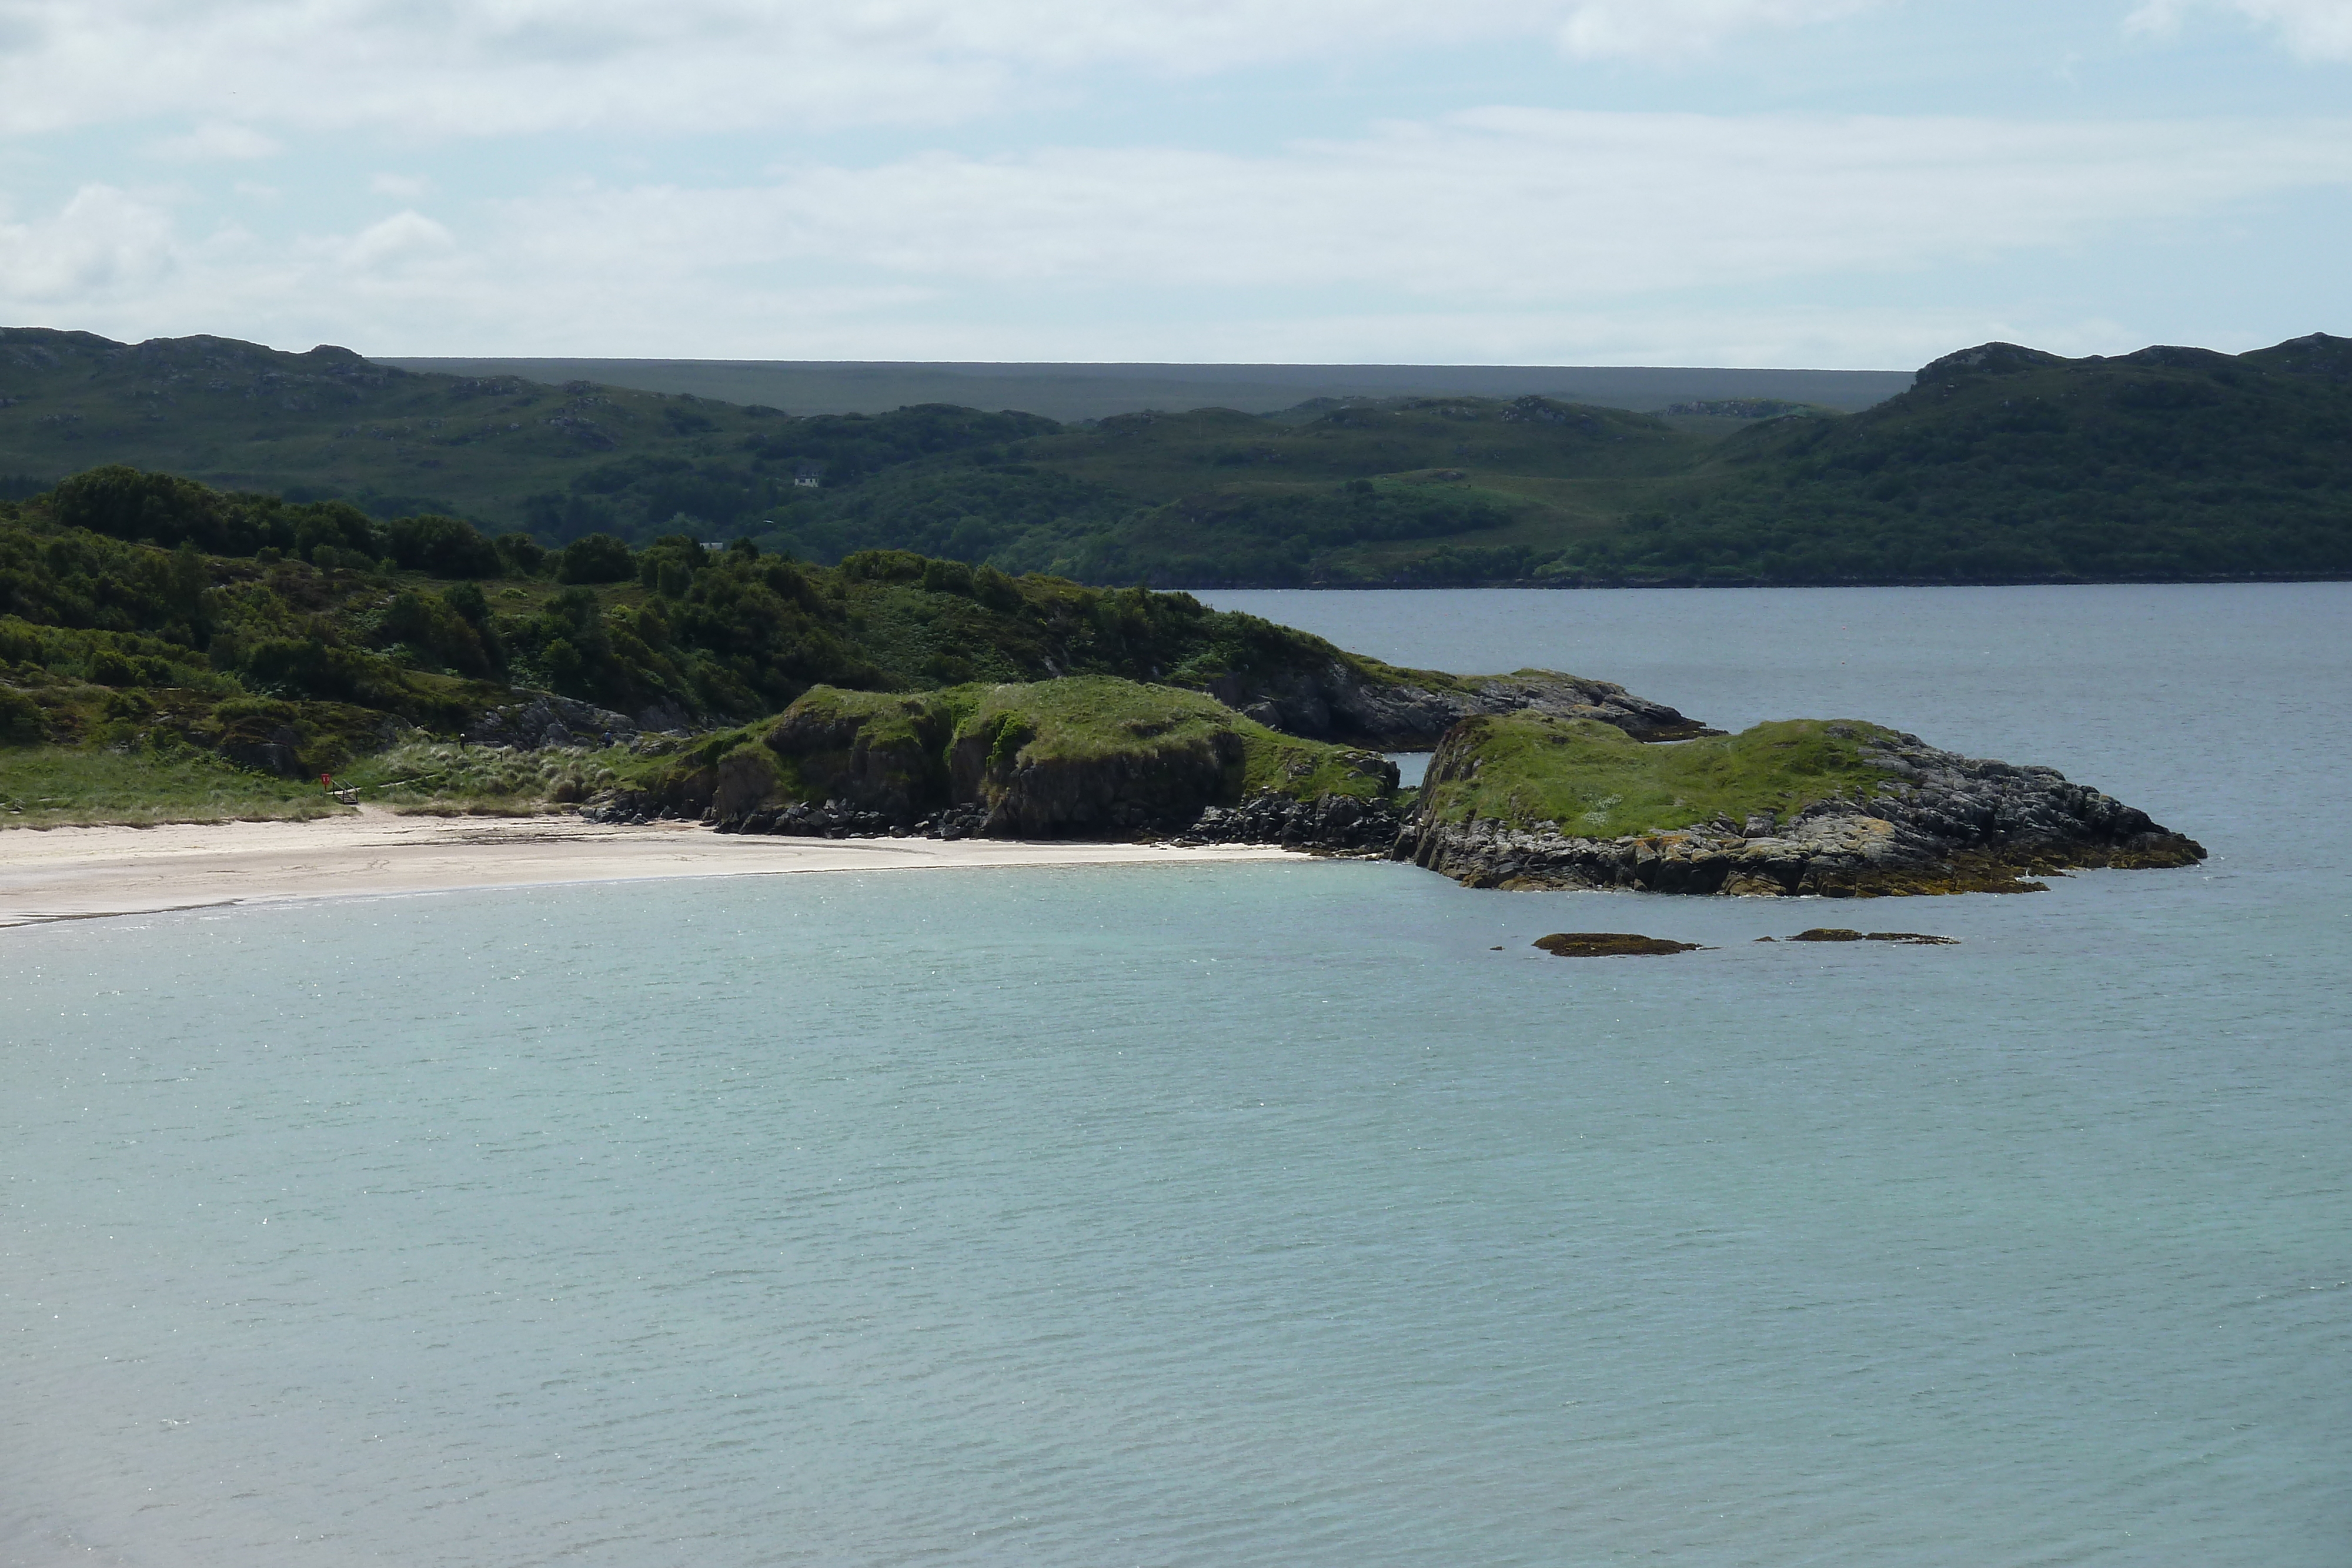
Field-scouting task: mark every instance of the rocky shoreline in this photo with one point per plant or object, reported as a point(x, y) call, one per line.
point(1939, 823)
point(1835, 808)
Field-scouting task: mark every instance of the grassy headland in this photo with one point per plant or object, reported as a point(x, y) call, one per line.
point(1593, 781)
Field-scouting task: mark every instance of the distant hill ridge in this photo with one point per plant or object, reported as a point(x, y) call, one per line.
point(2001, 463)
point(1074, 392)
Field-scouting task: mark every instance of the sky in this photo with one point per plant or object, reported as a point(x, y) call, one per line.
point(1834, 183)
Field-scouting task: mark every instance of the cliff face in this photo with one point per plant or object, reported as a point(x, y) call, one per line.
point(875, 753)
point(1842, 810)
point(1160, 785)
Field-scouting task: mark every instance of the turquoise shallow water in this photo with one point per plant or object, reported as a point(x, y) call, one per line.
point(1257, 1214)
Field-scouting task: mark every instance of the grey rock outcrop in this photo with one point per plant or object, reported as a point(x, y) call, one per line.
point(1334, 824)
point(547, 720)
point(1942, 823)
point(1336, 702)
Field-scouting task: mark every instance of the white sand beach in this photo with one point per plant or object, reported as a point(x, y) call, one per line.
point(73, 873)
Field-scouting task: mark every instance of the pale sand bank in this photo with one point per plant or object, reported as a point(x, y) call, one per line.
point(71, 874)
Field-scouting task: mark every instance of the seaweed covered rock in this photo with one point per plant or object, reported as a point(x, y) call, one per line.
point(1846, 934)
point(1842, 809)
point(1609, 945)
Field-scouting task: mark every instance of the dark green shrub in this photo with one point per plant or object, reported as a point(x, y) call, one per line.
point(433, 628)
point(599, 557)
point(308, 667)
point(884, 566)
point(337, 526)
point(20, 718)
point(521, 555)
point(948, 576)
point(108, 668)
point(441, 547)
point(19, 643)
point(123, 503)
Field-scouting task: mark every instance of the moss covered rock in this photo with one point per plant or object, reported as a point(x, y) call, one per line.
point(1804, 806)
point(1083, 757)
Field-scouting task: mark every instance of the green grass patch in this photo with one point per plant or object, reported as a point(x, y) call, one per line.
point(58, 786)
point(1594, 781)
point(439, 778)
point(1090, 718)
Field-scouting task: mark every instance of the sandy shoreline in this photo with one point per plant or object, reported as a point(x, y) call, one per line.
point(74, 874)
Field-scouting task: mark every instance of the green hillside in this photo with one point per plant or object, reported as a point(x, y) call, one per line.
point(168, 649)
point(2005, 463)
point(503, 451)
point(2002, 463)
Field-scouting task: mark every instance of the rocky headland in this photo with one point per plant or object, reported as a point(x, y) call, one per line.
point(1841, 809)
point(1080, 757)
point(1537, 797)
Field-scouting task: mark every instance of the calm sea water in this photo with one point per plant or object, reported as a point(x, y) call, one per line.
point(1275, 1214)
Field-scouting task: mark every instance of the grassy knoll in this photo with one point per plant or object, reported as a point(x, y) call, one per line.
point(1090, 720)
point(1085, 754)
point(1596, 782)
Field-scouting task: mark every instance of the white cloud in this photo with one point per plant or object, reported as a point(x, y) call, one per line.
point(1667, 28)
point(1519, 204)
point(214, 142)
point(103, 244)
point(2313, 29)
point(404, 236)
point(445, 68)
point(1510, 234)
point(407, 187)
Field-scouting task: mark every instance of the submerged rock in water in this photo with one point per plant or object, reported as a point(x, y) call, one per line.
point(1841, 934)
point(1844, 809)
point(1607, 944)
